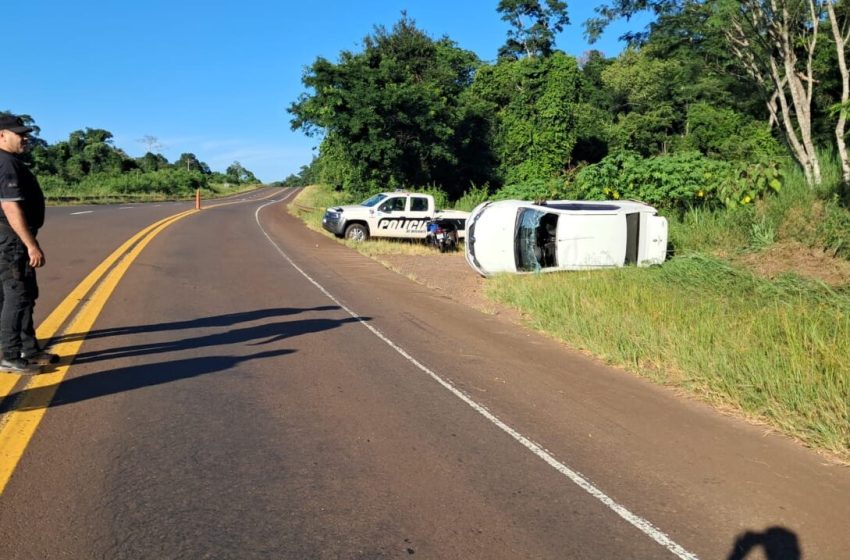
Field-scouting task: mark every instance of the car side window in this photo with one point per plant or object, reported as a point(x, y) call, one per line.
point(418, 204)
point(393, 205)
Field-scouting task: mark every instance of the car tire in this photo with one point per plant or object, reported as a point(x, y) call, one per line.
point(357, 232)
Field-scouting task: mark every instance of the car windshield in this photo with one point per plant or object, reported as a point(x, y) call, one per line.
point(373, 200)
point(535, 241)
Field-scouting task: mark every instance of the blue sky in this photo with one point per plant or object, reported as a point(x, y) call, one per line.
point(214, 77)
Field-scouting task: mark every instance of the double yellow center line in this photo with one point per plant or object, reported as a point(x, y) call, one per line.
point(82, 306)
point(77, 313)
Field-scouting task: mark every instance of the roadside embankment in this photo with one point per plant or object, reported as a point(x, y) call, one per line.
point(773, 350)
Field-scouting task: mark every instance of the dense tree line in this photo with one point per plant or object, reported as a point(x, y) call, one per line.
point(89, 157)
point(704, 105)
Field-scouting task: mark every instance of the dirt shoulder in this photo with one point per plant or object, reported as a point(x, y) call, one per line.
point(449, 274)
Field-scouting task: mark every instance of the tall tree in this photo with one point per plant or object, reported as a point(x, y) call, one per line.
point(776, 40)
point(190, 162)
point(152, 162)
point(236, 173)
point(535, 102)
point(152, 143)
point(840, 27)
point(534, 26)
point(390, 116)
point(775, 43)
point(648, 102)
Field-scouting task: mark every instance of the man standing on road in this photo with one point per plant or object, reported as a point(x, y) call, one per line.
point(22, 203)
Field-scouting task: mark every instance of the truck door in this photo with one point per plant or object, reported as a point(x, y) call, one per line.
point(418, 213)
point(391, 217)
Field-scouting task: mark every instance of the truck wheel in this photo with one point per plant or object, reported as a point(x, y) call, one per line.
point(357, 232)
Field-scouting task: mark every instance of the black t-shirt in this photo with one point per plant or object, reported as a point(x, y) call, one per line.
point(18, 184)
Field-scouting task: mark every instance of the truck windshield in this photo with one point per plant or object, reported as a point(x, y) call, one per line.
point(373, 200)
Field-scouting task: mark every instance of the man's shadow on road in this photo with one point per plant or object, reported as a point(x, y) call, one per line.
point(271, 332)
point(199, 323)
point(118, 380)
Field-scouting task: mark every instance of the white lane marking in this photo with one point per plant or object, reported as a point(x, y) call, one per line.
point(637, 521)
point(85, 212)
point(127, 207)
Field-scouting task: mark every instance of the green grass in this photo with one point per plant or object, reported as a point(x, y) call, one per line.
point(777, 350)
point(311, 202)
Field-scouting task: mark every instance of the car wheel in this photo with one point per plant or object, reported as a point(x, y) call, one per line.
point(357, 232)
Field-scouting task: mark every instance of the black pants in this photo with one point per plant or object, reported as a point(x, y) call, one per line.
point(19, 292)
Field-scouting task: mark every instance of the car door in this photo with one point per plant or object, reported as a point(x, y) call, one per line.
point(591, 240)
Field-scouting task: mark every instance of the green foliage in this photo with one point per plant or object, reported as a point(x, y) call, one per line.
point(701, 229)
point(534, 26)
point(648, 99)
point(190, 162)
point(678, 181)
point(238, 175)
point(535, 103)
point(796, 214)
point(762, 234)
point(166, 181)
point(307, 175)
point(749, 182)
point(441, 200)
point(535, 189)
point(391, 114)
point(152, 162)
point(135, 185)
point(472, 198)
point(834, 230)
point(726, 134)
point(87, 164)
point(52, 185)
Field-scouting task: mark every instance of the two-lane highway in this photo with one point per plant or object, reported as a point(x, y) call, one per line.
point(252, 389)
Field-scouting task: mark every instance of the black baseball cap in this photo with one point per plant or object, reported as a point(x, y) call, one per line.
point(13, 123)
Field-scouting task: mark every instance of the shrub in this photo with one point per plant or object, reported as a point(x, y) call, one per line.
point(728, 135)
point(681, 180)
point(472, 198)
point(535, 189)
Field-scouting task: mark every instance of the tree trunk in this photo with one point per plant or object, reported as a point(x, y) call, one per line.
point(764, 34)
point(840, 45)
point(801, 95)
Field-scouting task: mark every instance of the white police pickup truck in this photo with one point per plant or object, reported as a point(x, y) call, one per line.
point(390, 214)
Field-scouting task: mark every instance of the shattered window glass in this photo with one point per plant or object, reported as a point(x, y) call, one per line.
point(527, 222)
point(535, 240)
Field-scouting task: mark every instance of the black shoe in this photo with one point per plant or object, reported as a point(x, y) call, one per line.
point(19, 365)
point(40, 357)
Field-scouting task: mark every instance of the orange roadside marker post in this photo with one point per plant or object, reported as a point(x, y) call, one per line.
point(197, 199)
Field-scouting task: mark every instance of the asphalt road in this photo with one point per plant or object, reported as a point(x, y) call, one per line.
point(256, 390)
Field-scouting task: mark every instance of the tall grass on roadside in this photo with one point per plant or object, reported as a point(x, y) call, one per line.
point(104, 189)
point(814, 216)
point(777, 350)
point(310, 206)
point(472, 198)
point(702, 230)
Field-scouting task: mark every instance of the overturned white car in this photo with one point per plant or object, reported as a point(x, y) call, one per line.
point(521, 236)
